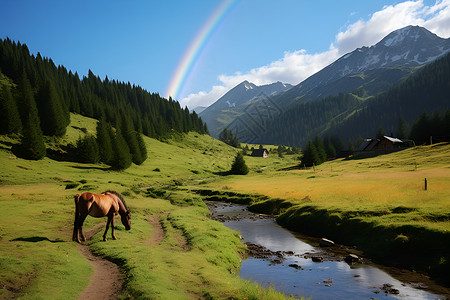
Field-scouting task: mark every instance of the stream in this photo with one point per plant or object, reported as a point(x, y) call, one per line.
point(284, 261)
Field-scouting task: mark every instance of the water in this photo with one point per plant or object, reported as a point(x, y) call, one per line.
point(326, 280)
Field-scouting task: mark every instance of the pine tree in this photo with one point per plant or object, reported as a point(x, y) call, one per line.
point(9, 114)
point(51, 112)
point(32, 142)
point(402, 130)
point(239, 167)
point(380, 133)
point(320, 150)
point(420, 131)
point(142, 148)
point(446, 125)
point(351, 148)
point(330, 149)
point(310, 155)
point(130, 137)
point(122, 157)
point(104, 141)
point(87, 150)
point(229, 138)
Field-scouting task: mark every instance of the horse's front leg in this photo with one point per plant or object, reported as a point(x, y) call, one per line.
point(110, 219)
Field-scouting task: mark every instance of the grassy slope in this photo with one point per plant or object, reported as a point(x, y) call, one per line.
point(377, 203)
point(39, 260)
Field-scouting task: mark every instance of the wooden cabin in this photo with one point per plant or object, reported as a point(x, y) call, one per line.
point(260, 153)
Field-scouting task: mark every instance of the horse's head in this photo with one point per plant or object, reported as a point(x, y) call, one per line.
point(126, 220)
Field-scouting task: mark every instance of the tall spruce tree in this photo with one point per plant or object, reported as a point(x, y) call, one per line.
point(104, 132)
point(420, 131)
point(229, 138)
point(32, 142)
point(402, 129)
point(142, 148)
point(330, 149)
point(310, 155)
point(9, 114)
point(132, 141)
point(52, 115)
point(320, 147)
point(380, 133)
point(446, 124)
point(122, 157)
point(351, 148)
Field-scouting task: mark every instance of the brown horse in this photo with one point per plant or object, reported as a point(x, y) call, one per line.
point(107, 204)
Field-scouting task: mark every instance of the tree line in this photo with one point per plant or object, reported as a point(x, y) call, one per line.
point(37, 98)
point(425, 129)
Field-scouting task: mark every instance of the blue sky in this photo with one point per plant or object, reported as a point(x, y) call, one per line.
point(259, 40)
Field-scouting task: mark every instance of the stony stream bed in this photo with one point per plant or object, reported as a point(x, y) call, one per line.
point(296, 265)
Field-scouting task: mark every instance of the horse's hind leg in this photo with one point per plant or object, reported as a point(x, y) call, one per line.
point(112, 229)
point(110, 219)
point(80, 226)
point(76, 222)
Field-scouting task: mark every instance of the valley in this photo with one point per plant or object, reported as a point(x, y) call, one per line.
point(185, 263)
point(270, 171)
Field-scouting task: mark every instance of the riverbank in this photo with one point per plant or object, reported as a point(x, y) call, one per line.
point(378, 205)
point(415, 248)
point(296, 264)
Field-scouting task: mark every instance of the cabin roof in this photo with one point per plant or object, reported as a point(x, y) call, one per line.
point(259, 152)
point(393, 140)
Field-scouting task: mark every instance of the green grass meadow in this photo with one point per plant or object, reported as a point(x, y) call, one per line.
point(378, 204)
point(198, 258)
point(357, 201)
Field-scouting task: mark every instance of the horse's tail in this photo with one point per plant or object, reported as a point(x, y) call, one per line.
point(77, 218)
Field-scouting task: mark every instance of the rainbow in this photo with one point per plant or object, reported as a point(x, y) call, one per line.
point(195, 48)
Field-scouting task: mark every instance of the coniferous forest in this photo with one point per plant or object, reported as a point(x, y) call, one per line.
point(37, 98)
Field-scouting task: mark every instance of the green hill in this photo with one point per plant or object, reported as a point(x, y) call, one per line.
point(39, 260)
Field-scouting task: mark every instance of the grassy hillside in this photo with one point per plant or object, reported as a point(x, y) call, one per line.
point(197, 257)
point(38, 260)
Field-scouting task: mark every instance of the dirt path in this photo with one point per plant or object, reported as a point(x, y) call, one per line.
point(158, 234)
point(106, 282)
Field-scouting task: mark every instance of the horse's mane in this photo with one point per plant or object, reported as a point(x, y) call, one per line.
point(118, 195)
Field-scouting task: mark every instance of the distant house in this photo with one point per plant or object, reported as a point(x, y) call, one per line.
point(385, 144)
point(389, 144)
point(260, 153)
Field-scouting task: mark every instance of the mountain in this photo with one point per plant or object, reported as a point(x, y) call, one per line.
point(225, 109)
point(340, 88)
point(372, 69)
point(348, 116)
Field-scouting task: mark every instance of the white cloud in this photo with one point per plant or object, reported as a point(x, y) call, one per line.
point(205, 98)
point(296, 66)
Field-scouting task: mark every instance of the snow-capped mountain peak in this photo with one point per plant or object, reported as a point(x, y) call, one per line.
point(408, 47)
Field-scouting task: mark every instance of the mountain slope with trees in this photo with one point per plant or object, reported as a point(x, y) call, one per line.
point(37, 98)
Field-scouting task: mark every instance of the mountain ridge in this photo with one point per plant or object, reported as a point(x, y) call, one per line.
point(365, 71)
point(238, 96)
point(399, 48)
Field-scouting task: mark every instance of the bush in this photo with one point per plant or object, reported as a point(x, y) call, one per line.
point(71, 185)
point(87, 150)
